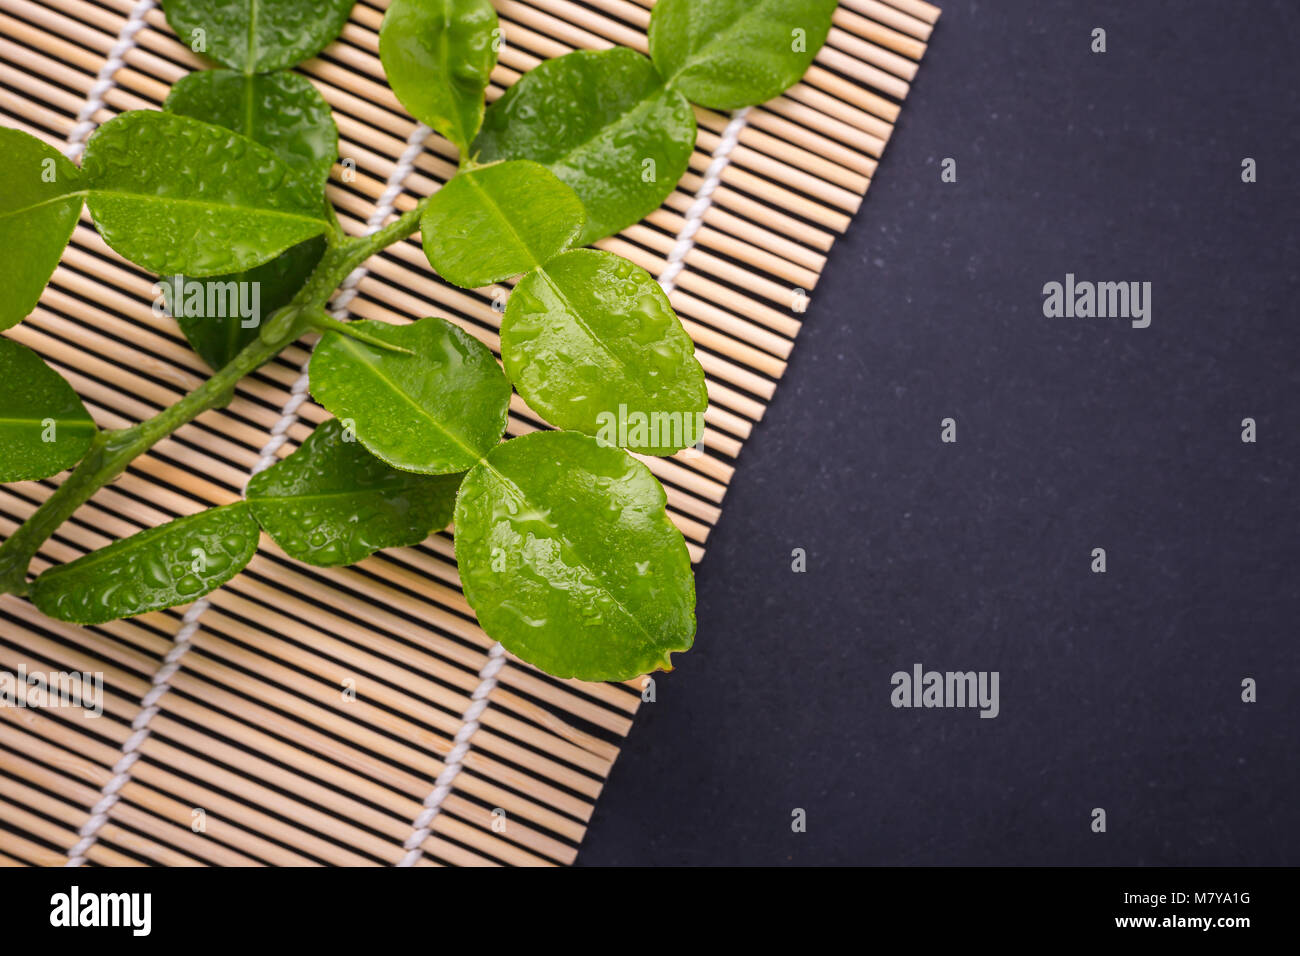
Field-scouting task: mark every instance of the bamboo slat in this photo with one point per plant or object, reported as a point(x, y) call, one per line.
point(315, 707)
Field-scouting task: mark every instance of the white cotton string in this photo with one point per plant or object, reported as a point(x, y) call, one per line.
point(107, 79)
point(110, 793)
point(423, 824)
point(676, 261)
point(149, 707)
point(455, 762)
point(298, 394)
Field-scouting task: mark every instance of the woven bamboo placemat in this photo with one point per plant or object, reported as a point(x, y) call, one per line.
point(316, 716)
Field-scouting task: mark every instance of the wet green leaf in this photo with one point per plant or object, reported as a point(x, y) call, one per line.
point(286, 114)
point(605, 124)
point(218, 331)
point(436, 411)
point(282, 111)
point(725, 54)
point(593, 345)
point(568, 557)
point(44, 428)
point(256, 36)
point(493, 223)
point(39, 207)
point(174, 563)
point(173, 194)
point(333, 503)
point(438, 55)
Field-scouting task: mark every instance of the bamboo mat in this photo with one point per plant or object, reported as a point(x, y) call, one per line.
point(315, 708)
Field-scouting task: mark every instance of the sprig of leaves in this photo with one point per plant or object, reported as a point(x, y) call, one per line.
point(565, 548)
point(619, 128)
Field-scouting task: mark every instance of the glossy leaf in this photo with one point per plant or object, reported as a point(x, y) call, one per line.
point(492, 223)
point(436, 411)
point(44, 428)
point(172, 564)
point(333, 503)
point(173, 194)
point(568, 557)
point(438, 55)
point(282, 111)
point(593, 345)
point(725, 54)
point(603, 122)
point(203, 310)
point(256, 36)
point(39, 207)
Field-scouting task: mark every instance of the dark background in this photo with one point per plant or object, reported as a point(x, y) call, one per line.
point(1119, 690)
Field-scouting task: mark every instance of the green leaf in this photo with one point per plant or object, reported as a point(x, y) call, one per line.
point(173, 194)
point(282, 111)
point(44, 428)
point(725, 54)
point(285, 113)
point(39, 207)
point(438, 55)
point(436, 411)
point(174, 563)
point(217, 330)
point(333, 503)
point(568, 557)
point(593, 345)
point(492, 223)
point(605, 124)
point(257, 36)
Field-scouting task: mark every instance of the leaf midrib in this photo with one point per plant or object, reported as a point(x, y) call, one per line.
point(44, 202)
point(77, 423)
point(203, 204)
point(503, 219)
point(352, 346)
point(582, 323)
point(695, 57)
point(249, 83)
point(618, 121)
point(444, 51)
point(133, 543)
point(250, 57)
point(518, 492)
point(378, 492)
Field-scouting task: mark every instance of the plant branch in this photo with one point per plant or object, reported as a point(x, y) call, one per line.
point(363, 247)
point(112, 452)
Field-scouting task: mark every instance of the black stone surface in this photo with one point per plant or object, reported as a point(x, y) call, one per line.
point(1119, 690)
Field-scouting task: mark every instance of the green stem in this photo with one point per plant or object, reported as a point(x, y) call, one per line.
point(112, 451)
